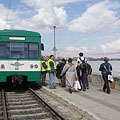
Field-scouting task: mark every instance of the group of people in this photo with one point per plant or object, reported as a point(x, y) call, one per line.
point(67, 72)
point(50, 67)
point(71, 72)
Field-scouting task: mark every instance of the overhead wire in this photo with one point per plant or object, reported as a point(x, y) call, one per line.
point(9, 7)
point(98, 30)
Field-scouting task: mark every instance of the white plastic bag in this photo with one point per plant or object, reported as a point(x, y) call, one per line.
point(77, 85)
point(110, 78)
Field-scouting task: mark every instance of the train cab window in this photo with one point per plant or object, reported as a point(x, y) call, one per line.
point(17, 50)
point(2, 49)
point(33, 50)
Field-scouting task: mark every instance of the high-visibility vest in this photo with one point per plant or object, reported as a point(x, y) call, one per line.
point(49, 68)
point(42, 68)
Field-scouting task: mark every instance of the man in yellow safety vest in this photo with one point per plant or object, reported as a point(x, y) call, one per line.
point(51, 69)
point(43, 70)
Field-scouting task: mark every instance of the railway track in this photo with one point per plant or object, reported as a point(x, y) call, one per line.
point(25, 105)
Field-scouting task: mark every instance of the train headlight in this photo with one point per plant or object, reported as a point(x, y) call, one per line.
point(36, 66)
point(2, 66)
point(31, 66)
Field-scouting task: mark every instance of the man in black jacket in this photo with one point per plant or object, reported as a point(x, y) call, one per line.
point(58, 72)
point(106, 69)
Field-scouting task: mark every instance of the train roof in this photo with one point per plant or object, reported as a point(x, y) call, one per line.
point(19, 33)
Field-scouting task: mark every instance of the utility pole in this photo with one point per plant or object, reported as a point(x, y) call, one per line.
point(54, 48)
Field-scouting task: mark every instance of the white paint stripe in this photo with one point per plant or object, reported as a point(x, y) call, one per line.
point(13, 65)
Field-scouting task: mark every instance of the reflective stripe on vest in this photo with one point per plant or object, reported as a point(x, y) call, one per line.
point(49, 68)
point(42, 68)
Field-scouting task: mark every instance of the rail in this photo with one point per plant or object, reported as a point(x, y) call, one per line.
point(47, 106)
point(5, 117)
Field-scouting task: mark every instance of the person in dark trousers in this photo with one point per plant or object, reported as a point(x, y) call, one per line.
point(89, 71)
point(82, 71)
point(79, 74)
point(52, 70)
point(106, 69)
point(59, 69)
point(43, 71)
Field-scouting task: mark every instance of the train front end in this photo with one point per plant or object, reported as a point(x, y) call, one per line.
point(20, 56)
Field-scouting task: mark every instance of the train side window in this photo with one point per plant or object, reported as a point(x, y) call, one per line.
point(33, 50)
point(2, 49)
point(26, 50)
point(8, 50)
point(42, 46)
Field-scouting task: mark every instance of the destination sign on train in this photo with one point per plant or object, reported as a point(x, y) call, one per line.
point(16, 38)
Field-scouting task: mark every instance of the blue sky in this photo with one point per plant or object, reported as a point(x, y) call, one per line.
point(89, 26)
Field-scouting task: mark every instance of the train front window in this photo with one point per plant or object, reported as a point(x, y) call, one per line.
point(24, 50)
point(16, 50)
point(2, 50)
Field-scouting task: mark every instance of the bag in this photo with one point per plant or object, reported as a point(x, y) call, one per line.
point(59, 70)
point(112, 85)
point(89, 69)
point(79, 71)
point(77, 84)
point(83, 65)
point(64, 75)
point(107, 69)
point(110, 78)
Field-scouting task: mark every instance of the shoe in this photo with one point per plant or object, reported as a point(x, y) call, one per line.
point(108, 92)
point(53, 88)
point(84, 90)
point(44, 85)
point(79, 89)
point(87, 87)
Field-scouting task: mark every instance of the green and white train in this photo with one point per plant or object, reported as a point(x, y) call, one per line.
point(20, 56)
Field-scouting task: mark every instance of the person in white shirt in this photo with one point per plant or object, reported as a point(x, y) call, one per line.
point(81, 58)
point(82, 73)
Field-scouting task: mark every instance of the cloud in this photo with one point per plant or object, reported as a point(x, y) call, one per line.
point(112, 35)
point(46, 15)
point(96, 17)
point(72, 49)
point(47, 4)
point(67, 1)
point(3, 15)
point(111, 47)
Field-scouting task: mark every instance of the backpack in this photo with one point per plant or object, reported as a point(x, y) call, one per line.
point(89, 69)
point(59, 69)
point(83, 65)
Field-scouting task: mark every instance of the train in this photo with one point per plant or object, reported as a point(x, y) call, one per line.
point(20, 56)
